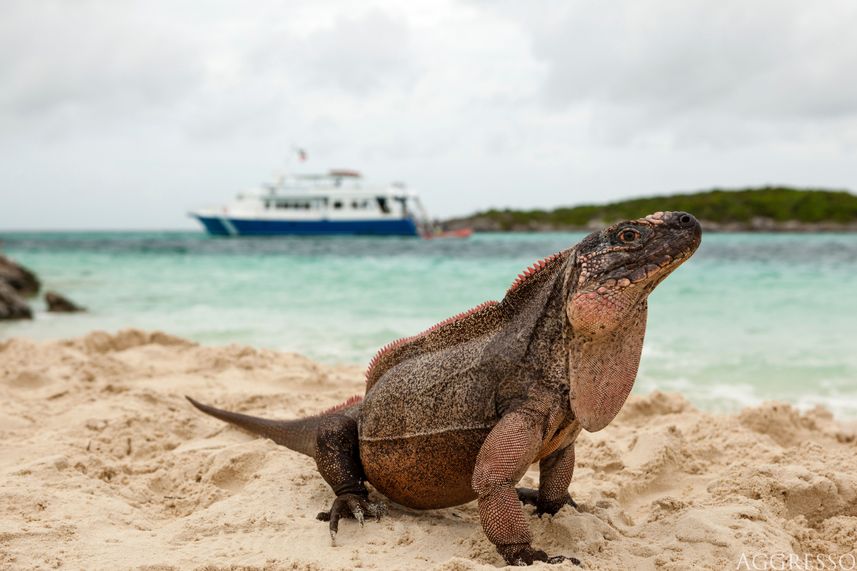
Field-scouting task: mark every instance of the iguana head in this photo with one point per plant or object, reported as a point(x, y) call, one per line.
point(608, 281)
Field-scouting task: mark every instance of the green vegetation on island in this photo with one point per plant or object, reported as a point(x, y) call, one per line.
point(766, 208)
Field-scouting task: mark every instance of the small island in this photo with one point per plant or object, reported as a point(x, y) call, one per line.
point(765, 209)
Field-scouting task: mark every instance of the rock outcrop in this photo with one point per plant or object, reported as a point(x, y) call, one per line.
point(18, 277)
point(61, 304)
point(12, 305)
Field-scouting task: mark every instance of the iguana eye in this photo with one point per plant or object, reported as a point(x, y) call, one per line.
point(628, 235)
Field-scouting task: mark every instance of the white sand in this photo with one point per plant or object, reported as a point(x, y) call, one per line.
point(105, 466)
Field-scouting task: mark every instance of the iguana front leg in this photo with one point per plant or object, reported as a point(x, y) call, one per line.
point(507, 452)
point(555, 472)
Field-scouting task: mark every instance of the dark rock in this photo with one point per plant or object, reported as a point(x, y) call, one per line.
point(60, 304)
point(20, 278)
point(12, 305)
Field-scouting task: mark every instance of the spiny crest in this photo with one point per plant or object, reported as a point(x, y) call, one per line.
point(399, 342)
point(531, 271)
point(459, 316)
point(351, 401)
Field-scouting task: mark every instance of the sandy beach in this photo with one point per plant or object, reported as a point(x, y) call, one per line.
point(105, 466)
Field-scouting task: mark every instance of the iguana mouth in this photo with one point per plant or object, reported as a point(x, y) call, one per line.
point(658, 270)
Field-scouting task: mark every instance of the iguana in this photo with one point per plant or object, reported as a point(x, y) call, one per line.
point(460, 411)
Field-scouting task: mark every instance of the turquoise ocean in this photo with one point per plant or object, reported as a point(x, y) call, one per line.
point(750, 317)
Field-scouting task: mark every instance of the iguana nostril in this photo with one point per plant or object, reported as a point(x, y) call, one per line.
point(683, 220)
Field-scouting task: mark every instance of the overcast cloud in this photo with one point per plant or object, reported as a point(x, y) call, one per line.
point(127, 114)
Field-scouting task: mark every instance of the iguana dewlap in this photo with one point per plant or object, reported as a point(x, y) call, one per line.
point(460, 411)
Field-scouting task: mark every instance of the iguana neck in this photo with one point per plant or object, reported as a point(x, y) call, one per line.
point(531, 347)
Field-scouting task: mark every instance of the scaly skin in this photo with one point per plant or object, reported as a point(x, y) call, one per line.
point(461, 411)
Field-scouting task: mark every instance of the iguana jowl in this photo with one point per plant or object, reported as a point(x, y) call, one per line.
point(460, 411)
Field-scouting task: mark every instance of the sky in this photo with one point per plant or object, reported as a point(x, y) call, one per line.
point(126, 115)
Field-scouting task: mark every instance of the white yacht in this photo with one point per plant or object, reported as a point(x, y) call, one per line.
point(336, 203)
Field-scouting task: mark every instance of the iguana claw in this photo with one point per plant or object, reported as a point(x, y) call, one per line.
point(522, 554)
point(562, 558)
point(530, 497)
point(350, 505)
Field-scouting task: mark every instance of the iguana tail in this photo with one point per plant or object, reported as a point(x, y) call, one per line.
point(298, 435)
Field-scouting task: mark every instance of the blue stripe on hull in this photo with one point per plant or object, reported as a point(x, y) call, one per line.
point(402, 227)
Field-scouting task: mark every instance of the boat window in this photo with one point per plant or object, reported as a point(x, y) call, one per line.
point(382, 204)
point(404, 203)
point(354, 205)
point(337, 204)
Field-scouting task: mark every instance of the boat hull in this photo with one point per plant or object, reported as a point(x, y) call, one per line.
point(228, 226)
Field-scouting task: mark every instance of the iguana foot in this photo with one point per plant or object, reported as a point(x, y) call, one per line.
point(530, 497)
point(521, 554)
point(351, 505)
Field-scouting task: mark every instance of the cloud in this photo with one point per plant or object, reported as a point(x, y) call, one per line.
point(360, 55)
point(90, 62)
point(696, 71)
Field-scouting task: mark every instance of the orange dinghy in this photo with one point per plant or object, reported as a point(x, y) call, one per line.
point(460, 233)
